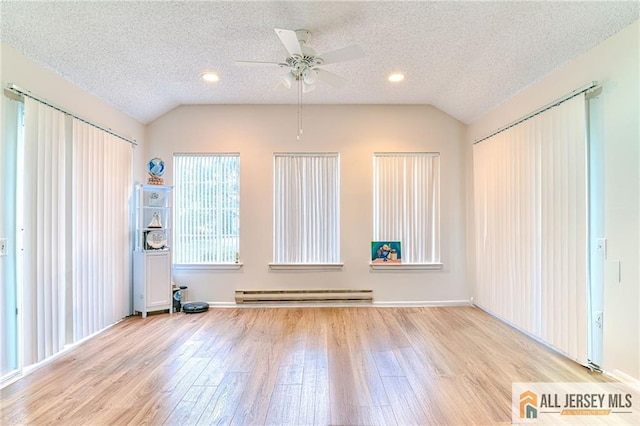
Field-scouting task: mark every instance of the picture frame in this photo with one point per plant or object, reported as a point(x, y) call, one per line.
point(386, 252)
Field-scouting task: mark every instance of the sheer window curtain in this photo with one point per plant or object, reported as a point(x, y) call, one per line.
point(44, 239)
point(530, 190)
point(306, 209)
point(101, 176)
point(406, 196)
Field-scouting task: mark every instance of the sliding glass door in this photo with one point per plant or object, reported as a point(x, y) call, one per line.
point(597, 241)
point(9, 141)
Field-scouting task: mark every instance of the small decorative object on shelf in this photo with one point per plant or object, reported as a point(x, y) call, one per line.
point(155, 221)
point(155, 168)
point(155, 240)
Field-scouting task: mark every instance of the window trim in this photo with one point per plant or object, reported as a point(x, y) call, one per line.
point(306, 266)
point(203, 266)
point(208, 266)
point(438, 265)
point(311, 266)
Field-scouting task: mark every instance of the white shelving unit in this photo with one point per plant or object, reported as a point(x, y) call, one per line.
point(152, 254)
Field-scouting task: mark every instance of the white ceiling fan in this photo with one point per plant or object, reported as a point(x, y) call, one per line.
point(304, 65)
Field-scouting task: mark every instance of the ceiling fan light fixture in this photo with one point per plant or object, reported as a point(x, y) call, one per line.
point(309, 76)
point(210, 77)
point(396, 77)
point(288, 80)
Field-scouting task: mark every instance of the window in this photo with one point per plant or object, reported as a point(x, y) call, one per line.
point(306, 204)
point(206, 209)
point(406, 196)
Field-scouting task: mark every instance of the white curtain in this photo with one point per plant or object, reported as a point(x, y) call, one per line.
point(306, 204)
point(44, 239)
point(101, 176)
point(406, 195)
point(530, 189)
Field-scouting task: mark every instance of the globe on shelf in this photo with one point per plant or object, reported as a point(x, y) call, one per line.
point(155, 168)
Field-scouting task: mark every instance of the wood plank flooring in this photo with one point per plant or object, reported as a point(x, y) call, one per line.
point(296, 366)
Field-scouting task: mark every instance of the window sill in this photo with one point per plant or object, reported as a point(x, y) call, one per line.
point(306, 266)
point(208, 267)
point(406, 266)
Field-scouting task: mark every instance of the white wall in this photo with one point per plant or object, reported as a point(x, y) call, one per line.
point(615, 64)
point(46, 84)
point(356, 132)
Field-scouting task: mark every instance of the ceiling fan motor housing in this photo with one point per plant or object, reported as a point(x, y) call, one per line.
point(301, 65)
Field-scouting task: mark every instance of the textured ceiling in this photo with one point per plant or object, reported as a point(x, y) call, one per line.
point(465, 58)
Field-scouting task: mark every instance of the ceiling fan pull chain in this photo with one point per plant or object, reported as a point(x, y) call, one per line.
point(299, 108)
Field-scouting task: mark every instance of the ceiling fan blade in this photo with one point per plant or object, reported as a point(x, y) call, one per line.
point(281, 87)
point(340, 55)
point(280, 64)
point(330, 78)
point(290, 41)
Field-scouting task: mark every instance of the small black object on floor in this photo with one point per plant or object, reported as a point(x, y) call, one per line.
point(178, 295)
point(195, 307)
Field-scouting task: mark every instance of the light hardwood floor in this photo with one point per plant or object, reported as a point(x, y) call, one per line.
point(338, 366)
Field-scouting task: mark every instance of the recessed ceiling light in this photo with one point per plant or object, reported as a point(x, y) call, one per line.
point(396, 77)
point(210, 76)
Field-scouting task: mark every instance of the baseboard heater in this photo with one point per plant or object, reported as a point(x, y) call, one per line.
point(303, 296)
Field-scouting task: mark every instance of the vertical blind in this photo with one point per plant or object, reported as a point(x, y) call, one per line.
point(530, 187)
point(207, 208)
point(45, 231)
point(75, 264)
point(406, 195)
point(101, 176)
point(306, 203)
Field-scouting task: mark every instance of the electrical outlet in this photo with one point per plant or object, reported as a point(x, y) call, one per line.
point(3, 246)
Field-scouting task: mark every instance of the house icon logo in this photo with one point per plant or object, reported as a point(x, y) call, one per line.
point(528, 405)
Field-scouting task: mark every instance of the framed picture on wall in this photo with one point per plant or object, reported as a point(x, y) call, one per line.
point(386, 252)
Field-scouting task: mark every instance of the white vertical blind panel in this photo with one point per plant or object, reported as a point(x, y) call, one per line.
point(306, 208)
point(44, 232)
point(406, 207)
point(101, 174)
point(531, 223)
point(206, 205)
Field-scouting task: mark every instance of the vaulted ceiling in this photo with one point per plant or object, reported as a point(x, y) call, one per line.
point(465, 58)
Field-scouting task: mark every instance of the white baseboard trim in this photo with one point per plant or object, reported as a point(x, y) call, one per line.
point(67, 348)
point(584, 363)
point(9, 378)
point(222, 304)
point(422, 303)
point(625, 378)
